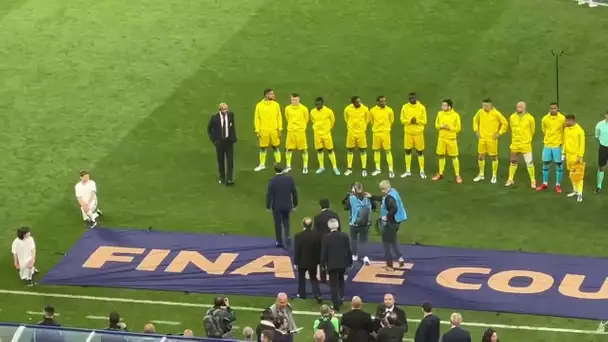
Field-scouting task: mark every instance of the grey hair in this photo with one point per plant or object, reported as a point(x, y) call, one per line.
point(333, 224)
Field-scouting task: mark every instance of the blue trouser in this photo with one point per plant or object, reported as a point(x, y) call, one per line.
point(552, 154)
point(281, 227)
point(390, 243)
point(358, 235)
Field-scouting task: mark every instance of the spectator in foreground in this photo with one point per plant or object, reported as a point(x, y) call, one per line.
point(328, 323)
point(357, 325)
point(319, 336)
point(490, 336)
point(48, 335)
point(188, 333)
point(282, 308)
point(48, 318)
point(391, 331)
point(248, 334)
point(456, 333)
point(115, 323)
point(267, 336)
point(266, 324)
point(281, 335)
point(428, 329)
point(149, 329)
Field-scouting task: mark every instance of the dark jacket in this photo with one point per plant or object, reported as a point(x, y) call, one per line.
point(428, 329)
point(391, 334)
point(391, 206)
point(49, 322)
point(282, 194)
point(307, 249)
point(456, 334)
point(214, 128)
point(263, 325)
point(335, 251)
point(50, 334)
point(381, 314)
point(321, 220)
point(357, 325)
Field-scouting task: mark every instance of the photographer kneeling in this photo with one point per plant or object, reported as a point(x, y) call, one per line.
point(218, 320)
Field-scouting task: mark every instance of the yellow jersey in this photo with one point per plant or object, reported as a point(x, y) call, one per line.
point(297, 118)
point(522, 128)
point(574, 141)
point(268, 116)
point(553, 129)
point(323, 120)
point(356, 119)
point(413, 111)
point(452, 120)
point(381, 119)
point(487, 124)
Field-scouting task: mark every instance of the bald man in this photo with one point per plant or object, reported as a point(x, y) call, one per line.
point(522, 126)
point(222, 133)
point(356, 323)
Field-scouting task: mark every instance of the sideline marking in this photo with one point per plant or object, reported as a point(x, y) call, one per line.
point(165, 322)
point(39, 313)
point(305, 313)
point(97, 317)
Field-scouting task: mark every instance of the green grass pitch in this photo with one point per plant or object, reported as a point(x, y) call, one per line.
point(125, 89)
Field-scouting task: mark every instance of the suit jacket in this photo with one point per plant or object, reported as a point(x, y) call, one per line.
point(214, 127)
point(456, 334)
point(282, 194)
point(357, 325)
point(335, 251)
point(321, 220)
point(307, 249)
point(381, 314)
point(428, 329)
point(391, 334)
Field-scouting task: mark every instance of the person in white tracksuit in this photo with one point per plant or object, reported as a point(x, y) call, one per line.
point(86, 194)
point(24, 255)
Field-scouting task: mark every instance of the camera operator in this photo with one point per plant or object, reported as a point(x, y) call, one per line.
point(218, 320)
point(391, 331)
point(359, 219)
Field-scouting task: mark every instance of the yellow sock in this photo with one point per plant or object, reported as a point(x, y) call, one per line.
point(288, 155)
point(579, 186)
point(377, 157)
point(305, 159)
point(408, 162)
point(263, 157)
point(495, 167)
point(421, 162)
point(456, 164)
point(389, 160)
point(332, 159)
point(363, 160)
point(321, 159)
point(277, 155)
point(512, 169)
point(532, 173)
point(441, 165)
point(482, 166)
point(349, 160)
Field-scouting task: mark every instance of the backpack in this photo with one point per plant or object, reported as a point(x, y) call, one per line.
point(362, 219)
point(331, 335)
point(212, 325)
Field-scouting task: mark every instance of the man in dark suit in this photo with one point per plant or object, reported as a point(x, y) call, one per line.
point(391, 331)
point(222, 133)
point(385, 309)
point(336, 257)
point(456, 333)
point(428, 329)
point(307, 258)
point(321, 227)
point(357, 325)
point(281, 199)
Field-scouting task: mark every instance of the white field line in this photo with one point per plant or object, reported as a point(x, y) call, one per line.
point(305, 313)
point(39, 313)
point(165, 322)
point(105, 318)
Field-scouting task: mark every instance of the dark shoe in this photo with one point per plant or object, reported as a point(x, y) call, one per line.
point(597, 190)
point(221, 181)
point(99, 212)
point(92, 224)
point(401, 262)
point(319, 300)
point(278, 245)
point(300, 297)
point(229, 183)
point(30, 283)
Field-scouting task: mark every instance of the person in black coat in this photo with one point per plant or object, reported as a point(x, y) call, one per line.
point(336, 257)
point(386, 308)
point(281, 199)
point(307, 257)
point(391, 331)
point(222, 133)
point(357, 325)
point(320, 225)
point(428, 329)
point(456, 333)
point(266, 323)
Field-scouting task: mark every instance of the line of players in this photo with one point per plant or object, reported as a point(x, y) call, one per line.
point(488, 124)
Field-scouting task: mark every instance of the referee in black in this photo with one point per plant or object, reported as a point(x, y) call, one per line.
point(222, 133)
point(336, 257)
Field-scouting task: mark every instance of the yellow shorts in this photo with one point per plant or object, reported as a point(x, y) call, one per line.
point(521, 149)
point(447, 147)
point(488, 146)
point(414, 141)
point(269, 138)
point(381, 141)
point(358, 140)
point(296, 141)
point(575, 170)
point(324, 141)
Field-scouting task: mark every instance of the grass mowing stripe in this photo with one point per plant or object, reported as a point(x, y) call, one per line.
point(40, 313)
point(304, 313)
